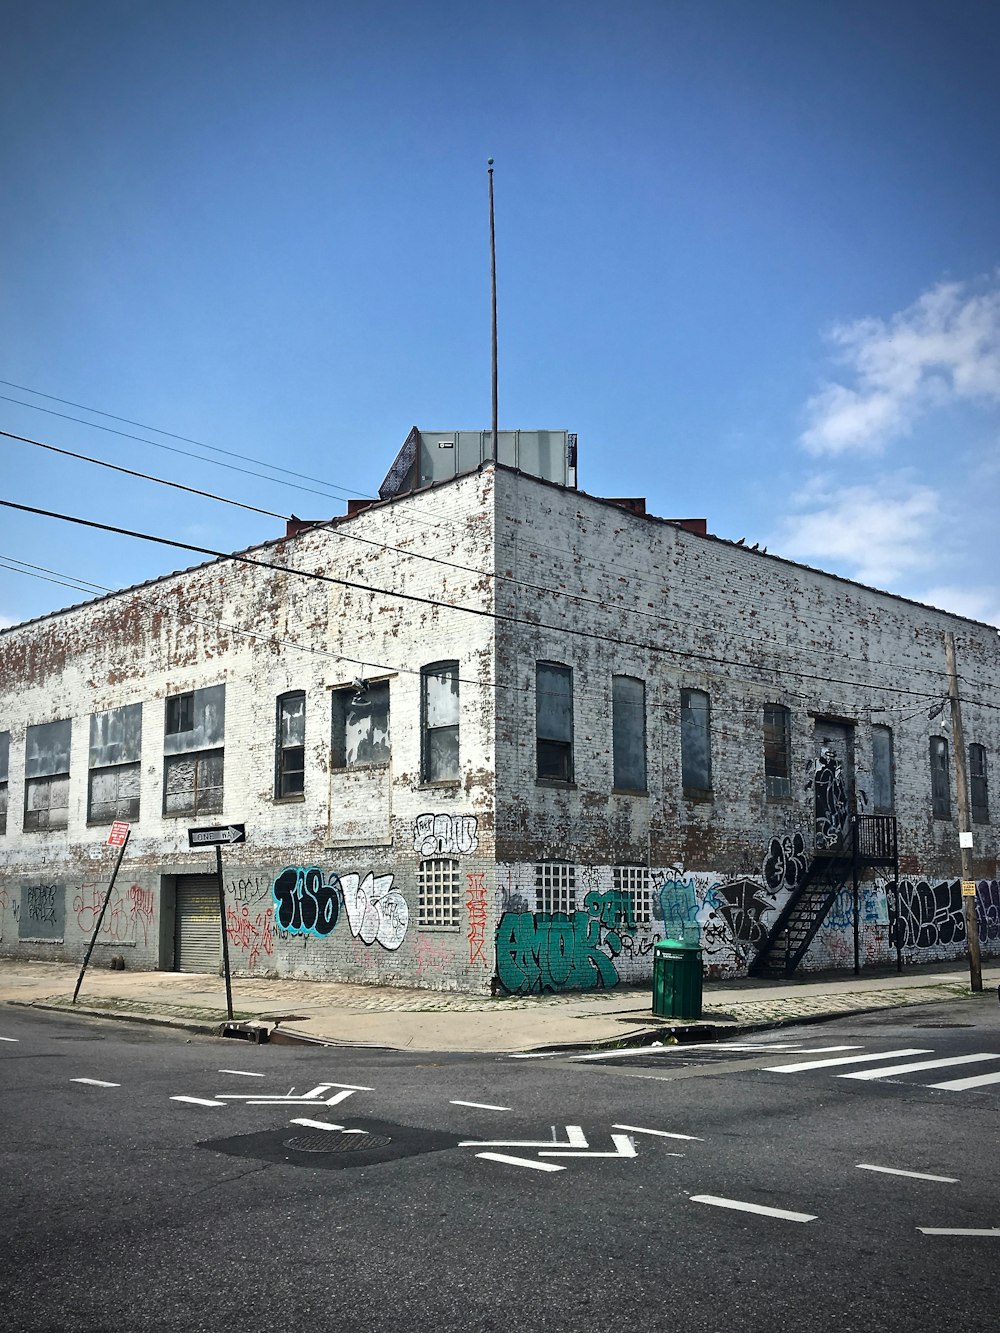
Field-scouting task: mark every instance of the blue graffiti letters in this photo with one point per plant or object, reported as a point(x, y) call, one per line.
point(306, 903)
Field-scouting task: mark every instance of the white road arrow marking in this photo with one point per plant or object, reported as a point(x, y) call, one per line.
point(313, 1098)
point(197, 1101)
point(575, 1138)
point(660, 1133)
point(624, 1147)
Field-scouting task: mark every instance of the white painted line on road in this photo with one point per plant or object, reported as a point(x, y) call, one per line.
point(624, 1147)
point(920, 1064)
point(316, 1124)
point(247, 1073)
point(913, 1175)
point(10, 1038)
point(95, 1082)
point(660, 1133)
point(575, 1138)
point(532, 1055)
point(355, 1131)
point(197, 1101)
point(960, 1231)
point(519, 1161)
point(681, 1047)
point(752, 1208)
point(824, 1050)
point(844, 1060)
point(480, 1106)
point(961, 1084)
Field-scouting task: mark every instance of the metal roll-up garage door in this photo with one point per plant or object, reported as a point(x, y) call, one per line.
point(198, 936)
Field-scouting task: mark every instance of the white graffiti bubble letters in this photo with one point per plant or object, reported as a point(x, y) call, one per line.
point(375, 909)
point(445, 835)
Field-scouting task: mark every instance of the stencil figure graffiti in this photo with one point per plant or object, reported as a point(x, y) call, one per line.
point(376, 910)
point(830, 788)
point(305, 902)
point(445, 835)
point(475, 905)
point(554, 951)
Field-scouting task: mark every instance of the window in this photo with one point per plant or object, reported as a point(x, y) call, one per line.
point(554, 721)
point(439, 895)
point(555, 887)
point(977, 784)
point(628, 732)
point(439, 710)
point(883, 777)
point(46, 772)
point(777, 751)
point(361, 726)
point(192, 783)
point(633, 881)
point(696, 743)
point(290, 745)
point(193, 766)
point(115, 749)
point(940, 778)
point(4, 760)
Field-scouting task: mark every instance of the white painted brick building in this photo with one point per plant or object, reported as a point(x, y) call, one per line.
point(578, 729)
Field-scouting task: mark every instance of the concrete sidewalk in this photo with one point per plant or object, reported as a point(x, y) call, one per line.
point(422, 1020)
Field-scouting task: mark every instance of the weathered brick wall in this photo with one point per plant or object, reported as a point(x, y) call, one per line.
point(178, 634)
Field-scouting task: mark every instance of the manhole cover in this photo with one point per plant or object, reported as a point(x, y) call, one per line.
point(327, 1141)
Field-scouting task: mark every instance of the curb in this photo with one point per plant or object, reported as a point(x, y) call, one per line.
point(183, 1024)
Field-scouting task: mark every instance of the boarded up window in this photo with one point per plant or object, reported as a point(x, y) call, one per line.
point(46, 771)
point(195, 720)
point(554, 721)
point(46, 803)
point(883, 778)
point(940, 778)
point(290, 745)
point(439, 709)
point(115, 749)
point(977, 785)
point(361, 726)
point(628, 726)
point(696, 743)
point(777, 751)
point(192, 783)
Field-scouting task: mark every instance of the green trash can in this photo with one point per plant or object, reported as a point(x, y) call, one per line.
point(676, 979)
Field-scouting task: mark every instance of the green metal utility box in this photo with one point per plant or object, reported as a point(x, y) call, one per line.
point(676, 979)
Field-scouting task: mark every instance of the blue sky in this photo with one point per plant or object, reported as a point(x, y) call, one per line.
point(749, 252)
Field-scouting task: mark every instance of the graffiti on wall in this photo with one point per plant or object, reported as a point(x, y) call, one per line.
point(553, 951)
point(376, 910)
point(250, 935)
point(42, 911)
point(445, 835)
point(307, 903)
point(475, 906)
point(988, 910)
point(127, 919)
point(832, 809)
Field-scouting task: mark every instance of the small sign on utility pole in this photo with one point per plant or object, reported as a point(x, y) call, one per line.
point(224, 835)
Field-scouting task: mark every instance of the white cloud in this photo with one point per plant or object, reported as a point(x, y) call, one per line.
point(943, 348)
point(978, 603)
point(874, 533)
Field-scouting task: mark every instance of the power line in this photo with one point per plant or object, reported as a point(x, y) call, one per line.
point(479, 612)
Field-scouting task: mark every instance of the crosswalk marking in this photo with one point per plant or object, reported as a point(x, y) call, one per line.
point(891, 1070)
point(845, 1060)
point(962, 1084)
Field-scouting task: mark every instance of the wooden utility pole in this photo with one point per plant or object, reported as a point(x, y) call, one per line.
point(493, 303)
point(964, 820)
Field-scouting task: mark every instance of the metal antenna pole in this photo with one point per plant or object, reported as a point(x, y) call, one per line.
point(493, 295)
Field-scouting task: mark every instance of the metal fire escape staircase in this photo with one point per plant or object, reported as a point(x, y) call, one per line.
point(868, 841)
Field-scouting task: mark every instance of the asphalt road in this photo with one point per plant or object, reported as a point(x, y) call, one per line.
point(148, 1181)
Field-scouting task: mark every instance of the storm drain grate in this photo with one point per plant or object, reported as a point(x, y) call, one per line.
point(327, 1142)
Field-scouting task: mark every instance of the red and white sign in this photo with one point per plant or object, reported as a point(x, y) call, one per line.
point(118, 836)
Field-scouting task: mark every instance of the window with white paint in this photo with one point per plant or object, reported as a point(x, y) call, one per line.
point(290, 745)
point(696, 743)
point(977, 785)
point(193, 765)
point(439, 722)
point(883, 772)
point(115, 751)
point(439, 895)
point(940, 778)
point(555, 887)
point(4, 762)
point(554, 721)
point(628, 732)
point(46, 773)
point(777, 751)
point(634, 882)
point(360, 737)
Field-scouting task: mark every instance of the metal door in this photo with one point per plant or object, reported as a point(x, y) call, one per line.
point(832, 781)
point(197, 932)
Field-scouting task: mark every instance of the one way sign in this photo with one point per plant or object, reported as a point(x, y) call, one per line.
point(217, 837)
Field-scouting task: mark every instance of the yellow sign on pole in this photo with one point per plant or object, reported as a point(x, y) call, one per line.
point(968, 888)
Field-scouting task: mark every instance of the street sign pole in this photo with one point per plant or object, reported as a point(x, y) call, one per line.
point(122, 842)
point(225, 932)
